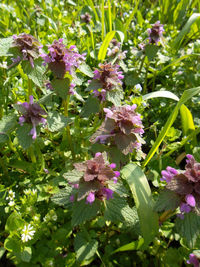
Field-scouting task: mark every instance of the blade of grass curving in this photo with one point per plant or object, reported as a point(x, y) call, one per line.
point(141, 192)
point(131, 17)
point(177, 42)
point(186, 96)
point(91, 4)
point(166, 94)
point(102, 20)
point(103, 49)
point(135, 245)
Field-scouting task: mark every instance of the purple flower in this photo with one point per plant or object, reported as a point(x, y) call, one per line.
point(155, 33)
point(61, 59)
point(28, 47)
point(193, 260)
point(108, 193)
point(190, 200)
point(108, 77)
point(32, 114)
point(90, 198)
point(86, 17)
point(71, 198)
point(123, 126)
point(168, 174)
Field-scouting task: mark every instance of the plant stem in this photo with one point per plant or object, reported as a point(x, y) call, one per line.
point(32, 154)
point(29, 89)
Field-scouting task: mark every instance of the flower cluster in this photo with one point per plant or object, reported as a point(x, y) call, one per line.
point(155, 33)
point(11, 198)
point(86, 17)
point(123, 126)
point(61, 59)
point(32, 114)
point(193, 260)
point(28, 46)
point(114, 49)
point(107, 77)
point(94, 179)
point(186, 184)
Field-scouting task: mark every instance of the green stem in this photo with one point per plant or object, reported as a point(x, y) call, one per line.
point(145, 83)
point(141, 65)
point(3, 165)
point(30, 91)
point(32, 154)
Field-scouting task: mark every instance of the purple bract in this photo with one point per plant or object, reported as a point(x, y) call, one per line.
point(155, 33)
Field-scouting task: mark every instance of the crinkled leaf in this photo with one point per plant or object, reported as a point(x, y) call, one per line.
point(91, 106)
point(14, 222)
point(84, 68)
point(119, 188)
point(94, 85)
point(56, 121)
point(5, 44)
point(58, 68)
point(151, 51)
point(189, 228)
point(62, 198)
point(117, 210)
point(73, 176)
point(83, 212)
point(23, 135)
point(61, 87)
point(86, 187)
point(167, 200)
point(115, 97)
point(8, 123)
point(85, 249)
point(124, 142)
point(180, 185)
point(36, 73)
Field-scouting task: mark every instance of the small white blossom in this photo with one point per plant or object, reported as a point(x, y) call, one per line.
point(11, 203)
point(27, 233)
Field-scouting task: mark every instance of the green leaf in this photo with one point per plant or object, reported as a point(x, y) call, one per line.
point(151, 51)
point(117, 210)
point(167, 200)
point(165, 94)
point(8, 123)
point(103, 49)
point(62, 198)
point(5, 45)
point(85, 249)
point(2, 251)
point(115, 96)
point(13, 244)
point(23, 135)
point(135, 245)
point(73, 176)
point(61, 87)
point(56, 121)
point(143, 199)
point(83, 212)
point(177, 42)
point(14, 222)
point(119, 188)
point(3, 138)
point(90, 107)
point(94, 85)
point(26, 254)
point(189, 228)
point(36, 73)
point(84, 68)
point(184, 98)
point(187, 120)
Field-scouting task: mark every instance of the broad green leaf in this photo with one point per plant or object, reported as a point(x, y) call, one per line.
point(151, 51)
point(2, 251)
point(56, 121)
point(103, 49)
point(84, 68)
point(143, 200)
point(187, 120)
point(91, 106)
point(119, 188)
point(177, 42)
point(184, 98)
point(61, 86)
point(62, 198)
point(165, 94)
point(23, 135)
point(83, 212)
point(189, 228)
point(85, 248)
point(117, 210)
point(167, 200)
point(135, 245)
point(14, 222)
point(26, 254)
point(5, 44)
point(3, 137)
point(115, 97)
point(73, 176)
point(12, 243)
point(8, 123)
point(36, 73)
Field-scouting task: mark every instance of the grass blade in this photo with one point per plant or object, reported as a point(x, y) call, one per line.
point(103, 49)
point(166, 94)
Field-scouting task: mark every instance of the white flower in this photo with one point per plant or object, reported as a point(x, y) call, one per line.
point(27, 233)
point(11, 194)
point(11, 203)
